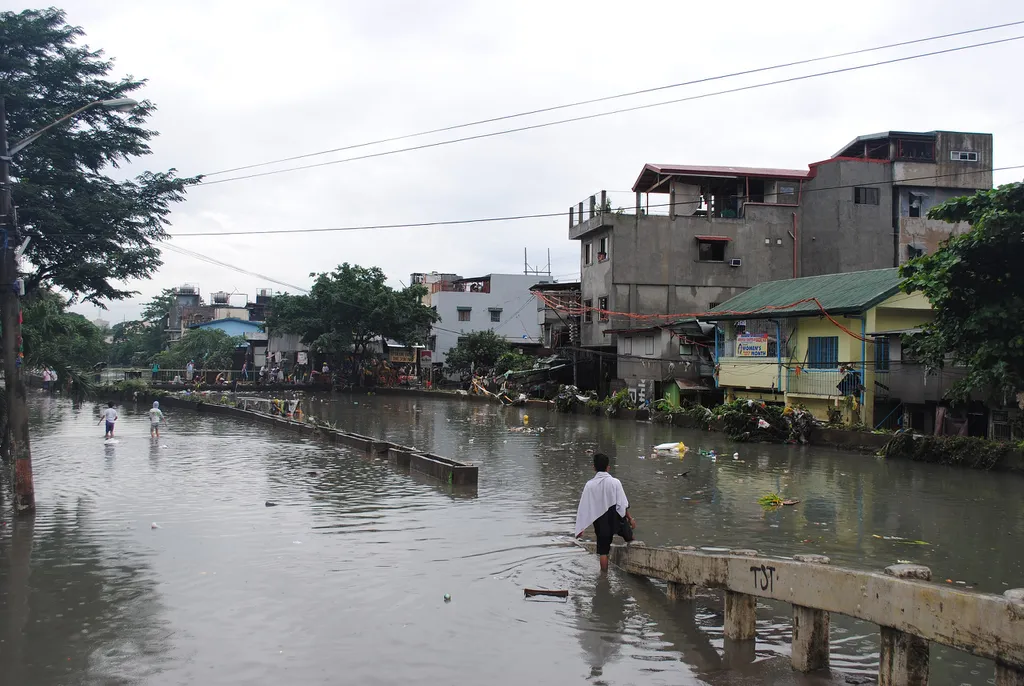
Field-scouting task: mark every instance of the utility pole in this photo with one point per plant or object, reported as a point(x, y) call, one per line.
point(10, 312)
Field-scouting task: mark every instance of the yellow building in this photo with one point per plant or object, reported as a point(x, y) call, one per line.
point(830, 343)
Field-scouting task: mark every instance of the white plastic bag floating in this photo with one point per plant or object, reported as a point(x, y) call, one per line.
point(679, 447)
point(762, 424)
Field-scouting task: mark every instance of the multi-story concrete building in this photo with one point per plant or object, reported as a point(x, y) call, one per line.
point(700, 235)
point(499, 302)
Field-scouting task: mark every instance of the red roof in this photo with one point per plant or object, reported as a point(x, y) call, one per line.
point(649, 176)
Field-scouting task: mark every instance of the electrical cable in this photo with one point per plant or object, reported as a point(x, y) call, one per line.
point(617, 96)
point(543, 215)
point(598, 115)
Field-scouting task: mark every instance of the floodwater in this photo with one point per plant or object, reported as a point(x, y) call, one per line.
point(344, 580)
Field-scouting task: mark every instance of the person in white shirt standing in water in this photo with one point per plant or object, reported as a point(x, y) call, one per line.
point(155, 417)
point(604, 504)
point(110, 416)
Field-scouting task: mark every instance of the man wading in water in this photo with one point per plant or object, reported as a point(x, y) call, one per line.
point(604, 504)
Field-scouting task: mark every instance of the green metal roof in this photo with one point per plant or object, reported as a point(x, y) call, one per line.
point(849, 293)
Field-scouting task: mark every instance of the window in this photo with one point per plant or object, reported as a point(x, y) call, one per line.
point(914, 251)
point(685, 349)
point(916, 203)
point(495, 314)
point(865, 196)
point(588, 257)
point(602, 305)
point(432, 343)
point(915, 150)
point(627, 346)
point(648, 345)
point(712, 306)
point(588, 310)
point(464, 313)
point(963, 156)
point(711, 251)
point(881, 354)
point(823, 352)
point(602, 249)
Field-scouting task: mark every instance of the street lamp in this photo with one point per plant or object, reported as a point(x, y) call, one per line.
point(17, 407)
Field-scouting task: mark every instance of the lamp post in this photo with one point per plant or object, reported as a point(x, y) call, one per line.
point(11, 289)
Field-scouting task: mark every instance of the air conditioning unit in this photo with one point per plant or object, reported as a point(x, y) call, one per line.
point(736, 262)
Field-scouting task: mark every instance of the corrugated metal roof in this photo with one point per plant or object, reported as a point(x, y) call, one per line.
point(847, 293)
point(646, 178)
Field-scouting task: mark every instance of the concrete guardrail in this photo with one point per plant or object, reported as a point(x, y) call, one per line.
point(435, 466)
point(902, 601)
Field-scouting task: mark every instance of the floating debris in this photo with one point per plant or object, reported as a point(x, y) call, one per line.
point(770, 501)
point(270, 503)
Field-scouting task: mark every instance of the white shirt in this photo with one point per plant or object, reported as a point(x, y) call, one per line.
point(110, 414)
point(600, 493)
point(155, 415)
point(46, 375)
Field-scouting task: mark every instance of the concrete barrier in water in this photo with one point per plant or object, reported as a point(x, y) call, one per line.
point(909, 609)
point(435, 466)
point(449, 471)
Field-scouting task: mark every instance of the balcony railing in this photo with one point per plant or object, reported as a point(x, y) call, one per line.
point(824, 383)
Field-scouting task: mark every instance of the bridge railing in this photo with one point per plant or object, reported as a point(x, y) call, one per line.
point(909, 610)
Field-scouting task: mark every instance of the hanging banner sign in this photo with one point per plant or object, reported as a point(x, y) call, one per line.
point(752, 346)
point(402, 356)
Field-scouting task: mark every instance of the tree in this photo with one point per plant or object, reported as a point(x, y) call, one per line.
point(53, 337)
point(207, 348)
point(349, 308)
point(88, 231)
point(976, 286)
point(478, 351)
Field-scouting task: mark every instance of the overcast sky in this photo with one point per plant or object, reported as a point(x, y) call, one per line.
point(239, 83)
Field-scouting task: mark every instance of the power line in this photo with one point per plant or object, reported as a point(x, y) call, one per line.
point(544, 215)
point(210, 260)
point(617, 96)
point(597, 115)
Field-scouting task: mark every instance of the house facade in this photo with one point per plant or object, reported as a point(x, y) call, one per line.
point(696, 236)
point(501, 303)
point(833, 344)
point(672, 361)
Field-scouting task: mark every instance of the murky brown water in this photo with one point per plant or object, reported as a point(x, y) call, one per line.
point(343, 581)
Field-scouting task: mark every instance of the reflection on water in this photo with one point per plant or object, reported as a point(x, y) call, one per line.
point(346, 575)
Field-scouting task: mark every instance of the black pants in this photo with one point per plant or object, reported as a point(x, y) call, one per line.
point(609, 525)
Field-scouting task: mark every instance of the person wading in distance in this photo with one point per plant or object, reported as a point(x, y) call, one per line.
point(604, 504)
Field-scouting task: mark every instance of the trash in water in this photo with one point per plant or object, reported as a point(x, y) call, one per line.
point(533, 592)
point(640, 457)
point(735, 456)
point(270, 503)
point(658, 471)
point(678, 447)
point(447, 598)
point(154, 525)
point(762, 424)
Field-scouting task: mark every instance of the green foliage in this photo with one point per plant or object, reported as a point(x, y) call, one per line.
point(350, 307)
point(961, 451)
point(619, 401)
point(770, 501)
point(54, 337)
point(137, 342)
point(514, 361)
point(976, 286)
point(89, 231)
point(207, 348)
point(479, 351)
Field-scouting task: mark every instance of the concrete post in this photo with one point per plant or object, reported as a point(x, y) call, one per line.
point(677, 591)
point(810, 630)
point(593, 206)
point(740, 616)
point(904, 657)
point(672, 202)
point(604, 201)
point(1005, 674)
point(580, 209)
point(572, 212)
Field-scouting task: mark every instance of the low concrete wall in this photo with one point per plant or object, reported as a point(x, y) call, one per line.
point(449, 471)
point(901, 601)
point(849, 440)
point(442, 468)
